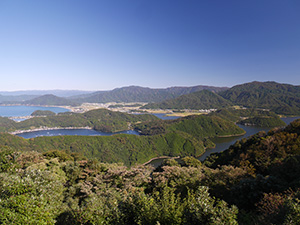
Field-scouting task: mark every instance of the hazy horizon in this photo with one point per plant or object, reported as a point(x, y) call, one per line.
point(81, 90)
point(100, 45)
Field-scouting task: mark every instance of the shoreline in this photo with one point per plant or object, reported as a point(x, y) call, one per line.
point(231, 135)
point(47, 128)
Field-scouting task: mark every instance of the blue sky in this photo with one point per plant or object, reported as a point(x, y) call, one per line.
point(101, 45)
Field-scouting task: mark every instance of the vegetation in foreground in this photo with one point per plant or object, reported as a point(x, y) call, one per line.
point(256, 181)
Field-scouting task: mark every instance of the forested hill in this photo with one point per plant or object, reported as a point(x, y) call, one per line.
point(204, 99)
point(19, 98)
point(142, 94)
point(50, 99)
point(98, 119)
point(187, 136)
point(256, 181)
point(272, 162)
point(280, 98)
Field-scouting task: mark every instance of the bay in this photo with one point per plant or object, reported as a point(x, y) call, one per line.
point(223, 143)
point(163, 116)
point(79, 132)
point(22, 110)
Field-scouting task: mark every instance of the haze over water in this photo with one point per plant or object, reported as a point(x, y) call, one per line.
point(21, 110)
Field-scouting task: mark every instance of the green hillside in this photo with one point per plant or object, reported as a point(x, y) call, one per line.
point(43, 113)
point(201, 126)
point(127, 149)
point(181, 137)
point(256, 181)
point(99, 119)
point(50, 99)
point(204, 99)
point(280, 98)
point(141, 94)
point(250, 117)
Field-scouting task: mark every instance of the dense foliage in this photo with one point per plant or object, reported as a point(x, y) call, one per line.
point(187, 136)
point(271, 192)
point(263, 122)
point(128, 149)
point(42, 113)
point(49, 180)
point(201, 126)
point(40, 189)
point(99, 119)
point(204, 99)
point(251, 117)
point(280, 98)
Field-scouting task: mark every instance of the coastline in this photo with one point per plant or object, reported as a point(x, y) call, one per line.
point(231, 135)
point(48, 128)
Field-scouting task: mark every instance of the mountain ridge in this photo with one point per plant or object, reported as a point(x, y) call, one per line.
point(141, 94)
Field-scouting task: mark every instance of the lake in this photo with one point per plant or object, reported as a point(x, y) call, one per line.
point(22, 110)
point(164, 117)
point(81, 132)
point(224, 143)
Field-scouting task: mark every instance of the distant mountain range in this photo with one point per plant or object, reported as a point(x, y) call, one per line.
point(15, 99)
point(280, 98)
point(50, 100)
point(124, 94)
point(204, 99)
point(142, 94)
point(36, 93)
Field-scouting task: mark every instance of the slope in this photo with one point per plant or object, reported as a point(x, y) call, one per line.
point(280, 98)
point(141, 94)
point(49, 99)
point(204, 99)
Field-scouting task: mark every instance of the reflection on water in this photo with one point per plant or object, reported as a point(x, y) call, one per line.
point(164, 117)
point(79, 132)
point(224, 143)
point(23, 110)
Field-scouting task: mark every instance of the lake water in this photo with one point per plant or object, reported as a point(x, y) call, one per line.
point(22, 110)
point(224, 143)
point(164, 117)
point(221, 143)
point(81, 132)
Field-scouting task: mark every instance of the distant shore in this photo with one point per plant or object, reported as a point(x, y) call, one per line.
point(231, 135)
point(47, 128)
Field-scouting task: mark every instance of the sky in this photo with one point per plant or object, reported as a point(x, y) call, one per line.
point(105, 44)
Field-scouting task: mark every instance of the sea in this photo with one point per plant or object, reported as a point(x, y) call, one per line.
point(22, 110)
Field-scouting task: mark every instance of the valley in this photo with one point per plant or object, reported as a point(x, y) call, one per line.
point(97, 146)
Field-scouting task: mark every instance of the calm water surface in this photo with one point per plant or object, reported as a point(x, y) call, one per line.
point(224, 143)
point(81, 132)
point(164, 117)
point(22, 110)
